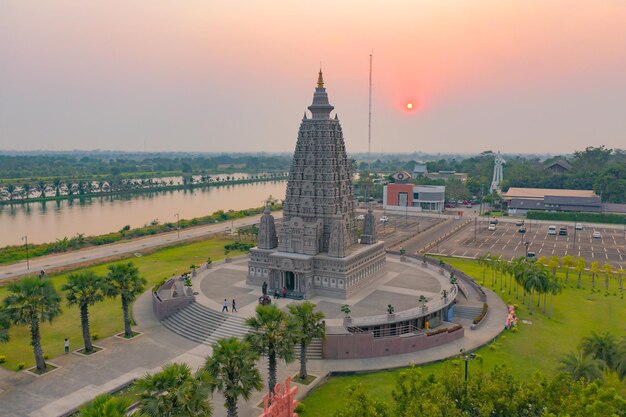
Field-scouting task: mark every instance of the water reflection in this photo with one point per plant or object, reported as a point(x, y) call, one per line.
point(51, 220)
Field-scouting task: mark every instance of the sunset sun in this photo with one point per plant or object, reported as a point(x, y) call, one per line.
point(409, 105)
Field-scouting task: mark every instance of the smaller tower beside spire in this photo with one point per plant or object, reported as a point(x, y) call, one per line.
point(267, 231)
point(368, 237)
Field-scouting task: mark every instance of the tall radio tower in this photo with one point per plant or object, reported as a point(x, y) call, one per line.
point(369, 120)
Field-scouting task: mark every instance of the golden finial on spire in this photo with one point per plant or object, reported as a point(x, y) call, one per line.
point(320, 80)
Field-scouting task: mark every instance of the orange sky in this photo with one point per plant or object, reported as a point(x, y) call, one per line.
point(521, 76)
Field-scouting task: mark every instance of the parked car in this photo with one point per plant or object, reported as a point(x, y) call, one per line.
point(360, 217)
point(552, 230)
point(493, 221)
point(531, 256)
point(596, 235)
point(384, 219)
point(579, 226)
point(450, 205)
point(492, 227)
point(522, 229)
point(468, 205)
point(519, 223)
point(563, 231)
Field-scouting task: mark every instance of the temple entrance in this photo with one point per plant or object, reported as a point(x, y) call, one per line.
point(290, 280)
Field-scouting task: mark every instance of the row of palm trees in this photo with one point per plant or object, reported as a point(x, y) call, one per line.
point(599, 355)
point(58, 187)
point(532, 277)
point(34, 300)
point(231, 369)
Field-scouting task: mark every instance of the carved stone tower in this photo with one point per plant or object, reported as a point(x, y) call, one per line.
point(267, 231)
point(368, 236)
point(317, 249)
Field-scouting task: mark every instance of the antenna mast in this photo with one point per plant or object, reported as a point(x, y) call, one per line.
point(369, 121)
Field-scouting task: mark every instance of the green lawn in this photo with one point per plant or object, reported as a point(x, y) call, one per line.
point(538, 346)
point(105, 317)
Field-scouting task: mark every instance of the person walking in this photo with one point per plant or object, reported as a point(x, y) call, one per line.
point(225, 306)
point(284, 292)
point(234, 310)
point(66, 344)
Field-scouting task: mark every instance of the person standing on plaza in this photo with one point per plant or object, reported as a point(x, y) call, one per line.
point(234, 310)
point(264, 288)
point(225, 306)
point(284, 292)
point(66, 344)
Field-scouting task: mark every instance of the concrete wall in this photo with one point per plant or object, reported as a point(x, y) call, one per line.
point(164, 308)
point(364, 345)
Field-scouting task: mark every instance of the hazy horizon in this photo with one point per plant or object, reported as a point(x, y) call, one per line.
point(534, 77)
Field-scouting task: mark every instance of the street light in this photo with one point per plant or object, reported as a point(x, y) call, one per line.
point(467, 357)
point(177, 224)
point(25, 239)
point(527, 243)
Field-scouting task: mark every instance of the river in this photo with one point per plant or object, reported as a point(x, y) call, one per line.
point(51, 220)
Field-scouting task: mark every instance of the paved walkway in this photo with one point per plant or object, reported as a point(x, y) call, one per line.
point(96, 253)
point(80, 379)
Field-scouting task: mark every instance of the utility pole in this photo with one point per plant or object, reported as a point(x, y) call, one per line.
point(25, 238)
point(369, 119)
point(177, 224)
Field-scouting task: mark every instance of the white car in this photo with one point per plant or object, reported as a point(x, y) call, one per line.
point(596, 235)
point(552, 230)
point(384, 219)
point(492, 227)
point(360, 217)
point(579, 226)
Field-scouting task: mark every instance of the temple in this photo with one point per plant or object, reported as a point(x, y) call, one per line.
point(317, 250)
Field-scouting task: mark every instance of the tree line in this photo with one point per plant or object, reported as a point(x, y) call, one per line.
point(90, 164)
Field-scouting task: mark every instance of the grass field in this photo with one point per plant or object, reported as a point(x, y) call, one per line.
point(105, 317)
point(537, 346)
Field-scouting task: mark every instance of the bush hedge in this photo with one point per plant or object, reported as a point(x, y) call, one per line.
point(482, 314)
point(578, 217)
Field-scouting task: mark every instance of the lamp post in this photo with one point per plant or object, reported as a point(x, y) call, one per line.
point(25, 239)
point(177, 224)
point(527, 243)
point(467, 357)
point(575, 223)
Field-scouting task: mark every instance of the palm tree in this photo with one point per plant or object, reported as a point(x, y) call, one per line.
point(483, 261)
point(310, 326)
point(620, 362)
point(601, 346)
point(124, 280)
point(608, 271)
point(84, 290)
point(233, 371)
point(535, 279)
point(555, 287)
point(579, 267)
point(175, 392)
point(567, 262)
point(30, 302)
point(57, 186)
point(594, 269)
point(41, 189)
point(273, 335)
point(106, 405)
point(579, 366)
point(4, 326)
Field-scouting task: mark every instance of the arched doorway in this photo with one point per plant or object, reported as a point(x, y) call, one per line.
point(290, 280)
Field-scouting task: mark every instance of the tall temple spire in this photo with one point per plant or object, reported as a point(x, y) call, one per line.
point(320, 80)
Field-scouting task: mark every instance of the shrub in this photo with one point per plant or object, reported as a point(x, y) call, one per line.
point(514, 329)
point(3, 359)
point(299, 408)
point(20, 366)
point(94, 336)
point(579, 217)
point(45, 356)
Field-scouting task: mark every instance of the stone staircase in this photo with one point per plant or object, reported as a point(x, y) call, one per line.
point(203, 325)
point(467, 312)
point(313, 351)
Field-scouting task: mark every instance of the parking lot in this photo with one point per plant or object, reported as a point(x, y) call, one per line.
point(476, 239)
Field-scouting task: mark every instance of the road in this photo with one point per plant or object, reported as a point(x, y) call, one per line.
point(88, 255)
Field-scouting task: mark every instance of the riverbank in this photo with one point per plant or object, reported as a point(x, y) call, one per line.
point(16, 253)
